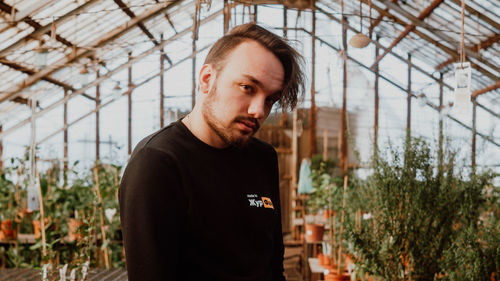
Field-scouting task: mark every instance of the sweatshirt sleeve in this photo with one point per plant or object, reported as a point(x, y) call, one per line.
point(278, 232)
point(152, 211)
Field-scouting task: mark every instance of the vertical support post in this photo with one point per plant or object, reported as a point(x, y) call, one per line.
point(162, 81)
point(285, 22)
point(129, 106)
point(97, 119)
point(193, 66)
point(408, 113)
point(376, 88)
point(474, 116)
point(254, 13)
point(312, 112)
point(65, 137)
point(1, 148)
point(343, 159)
point(440, 151)
point(227, 16)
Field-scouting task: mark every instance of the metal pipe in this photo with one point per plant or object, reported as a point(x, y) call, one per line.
point(312, 111)
point(130, 85)
point(97, 120)
point(162, 82)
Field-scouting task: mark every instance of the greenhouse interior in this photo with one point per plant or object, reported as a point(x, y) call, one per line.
point(388, 167)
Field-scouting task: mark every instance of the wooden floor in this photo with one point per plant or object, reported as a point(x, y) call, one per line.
point(15, 274)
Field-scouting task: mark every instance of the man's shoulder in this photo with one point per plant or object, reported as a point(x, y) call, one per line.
point(257, 145)
point(165, 140)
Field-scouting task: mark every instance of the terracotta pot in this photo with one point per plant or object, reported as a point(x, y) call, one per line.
point(326, 260)
point(8, 230)
point(314, 232)
point(320, 258)
point(337, 277)
point(73, 232)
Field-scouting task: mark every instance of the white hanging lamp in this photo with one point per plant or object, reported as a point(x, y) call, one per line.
point(360, 40)
point(41, 56)
point(463, 78)
point(84, 76)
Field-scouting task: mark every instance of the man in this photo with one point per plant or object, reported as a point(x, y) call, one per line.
point(199, 199)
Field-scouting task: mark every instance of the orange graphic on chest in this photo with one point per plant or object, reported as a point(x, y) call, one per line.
point(267, 202)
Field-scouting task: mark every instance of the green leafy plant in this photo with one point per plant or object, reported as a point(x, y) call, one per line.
point(413, 205)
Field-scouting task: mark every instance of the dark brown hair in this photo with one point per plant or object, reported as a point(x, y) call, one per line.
point(293, 84)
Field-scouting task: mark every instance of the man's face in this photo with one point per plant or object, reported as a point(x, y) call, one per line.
point(243, 93)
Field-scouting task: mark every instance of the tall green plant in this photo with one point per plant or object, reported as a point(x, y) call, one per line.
point(414, 208)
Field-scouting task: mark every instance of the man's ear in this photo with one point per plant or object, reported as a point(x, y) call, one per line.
point(207, 78)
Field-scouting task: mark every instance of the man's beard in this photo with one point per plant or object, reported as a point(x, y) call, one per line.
point(230, 136)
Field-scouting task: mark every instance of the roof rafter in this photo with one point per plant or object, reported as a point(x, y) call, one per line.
point(110, 73)
point(440, 35)
point(446, 49)
point(485, 90)
point(482, 16)
point(403, 89)
point(425, 13)
point(141, 26)
point(49, 79)
point(485, 44)
point(80, 53)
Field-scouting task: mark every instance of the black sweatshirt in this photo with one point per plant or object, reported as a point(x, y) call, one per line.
point(190, 211)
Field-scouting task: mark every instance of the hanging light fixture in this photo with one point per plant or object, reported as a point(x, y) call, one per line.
point(41, 55)
point(84, 76)
point(117, 89)
point(360, 40)
point(463, 77)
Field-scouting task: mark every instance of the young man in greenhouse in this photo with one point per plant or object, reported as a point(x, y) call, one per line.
point(199, 199)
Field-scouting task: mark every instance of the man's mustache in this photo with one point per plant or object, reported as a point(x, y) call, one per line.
point(253, 121)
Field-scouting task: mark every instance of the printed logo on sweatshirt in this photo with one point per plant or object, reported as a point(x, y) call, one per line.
point(259, 202)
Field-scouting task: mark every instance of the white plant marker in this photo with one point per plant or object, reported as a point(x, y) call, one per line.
point(72, 275)
point(45, 271)
point(110, 213)
point(85, 270)
point(62, 272)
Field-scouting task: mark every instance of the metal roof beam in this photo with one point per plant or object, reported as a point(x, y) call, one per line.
point(442, 36)
point(473, 11)
point(33, 8)
point(40, 30)
point(425, 13)
point(112, 72)
point(49, 79)
point(115, 98)
point(141, 26)
point(390, 81)
point(488, 42)
point(80, 53)
point(446, 49)
point(485, 90)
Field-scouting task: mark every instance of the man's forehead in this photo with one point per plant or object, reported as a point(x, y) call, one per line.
point(255, 62)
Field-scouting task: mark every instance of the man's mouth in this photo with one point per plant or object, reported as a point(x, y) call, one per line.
point(248, 126)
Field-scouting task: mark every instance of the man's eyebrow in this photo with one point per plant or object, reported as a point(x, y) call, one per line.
point(258, 83)
point(253, 79)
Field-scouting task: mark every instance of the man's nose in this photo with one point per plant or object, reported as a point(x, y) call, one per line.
point(257, 107)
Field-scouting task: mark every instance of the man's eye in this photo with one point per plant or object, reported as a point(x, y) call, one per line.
point(246, 88)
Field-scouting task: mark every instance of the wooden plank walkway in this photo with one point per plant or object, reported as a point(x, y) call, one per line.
point(22, 274)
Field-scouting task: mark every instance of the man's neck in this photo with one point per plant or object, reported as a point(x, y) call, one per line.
point(196, 123)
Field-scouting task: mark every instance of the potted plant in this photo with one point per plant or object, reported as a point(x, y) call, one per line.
point(414, 205)
point(7, 208)
point(319, 198)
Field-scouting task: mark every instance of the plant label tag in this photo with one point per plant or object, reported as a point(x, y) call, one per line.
point(462, 75)
point(462, 89)
point(33, 203)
